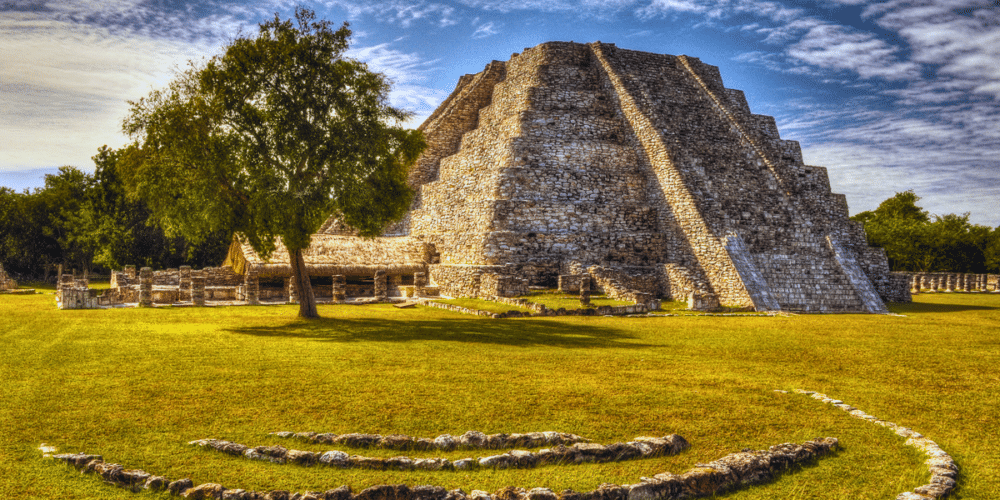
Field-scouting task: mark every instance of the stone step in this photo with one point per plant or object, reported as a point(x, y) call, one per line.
point(540, 217)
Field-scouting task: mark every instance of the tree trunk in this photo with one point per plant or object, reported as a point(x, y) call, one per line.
point(300, 276)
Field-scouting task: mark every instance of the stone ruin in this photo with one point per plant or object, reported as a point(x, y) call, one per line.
point(640, 171)
point(639, 175)
point(736, 470)
point(953, 282)
point(6, 283)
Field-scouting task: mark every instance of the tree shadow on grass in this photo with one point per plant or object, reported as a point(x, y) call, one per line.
point(923, 307)
point(524, 333)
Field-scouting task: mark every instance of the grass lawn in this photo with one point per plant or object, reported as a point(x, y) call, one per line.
point(136, 385)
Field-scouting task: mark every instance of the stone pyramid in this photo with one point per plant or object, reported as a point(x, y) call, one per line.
point(641, 170)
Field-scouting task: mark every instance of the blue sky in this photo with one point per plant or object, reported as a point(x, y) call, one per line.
point(889, 95)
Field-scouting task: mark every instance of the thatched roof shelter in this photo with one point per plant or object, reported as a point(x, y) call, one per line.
point(329, 255)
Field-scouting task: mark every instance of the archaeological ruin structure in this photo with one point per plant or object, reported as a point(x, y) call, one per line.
point(638, 170)
point(6, 283)
point(587, 168)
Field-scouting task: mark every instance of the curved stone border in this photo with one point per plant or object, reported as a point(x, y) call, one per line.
point(598, 311)
point(943, 469)
point(444, 442)
point(641, 447)
point(727, 473)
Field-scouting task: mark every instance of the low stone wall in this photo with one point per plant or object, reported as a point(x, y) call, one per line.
point(730, 472)
point(500, 285)
point(543, 311)
point(6, 283)
point(475, 281)
point(471, 440)
point(576, 453)
point(943, 469)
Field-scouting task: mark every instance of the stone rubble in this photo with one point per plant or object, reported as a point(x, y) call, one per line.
point(745, 468)
point(469, 440)
point(6, 282)
point(578, 452)
point(943, 469)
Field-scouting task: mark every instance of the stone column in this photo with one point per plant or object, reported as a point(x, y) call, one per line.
point(925, 281)
point(967, 282)
point(950, 283)
point(252, 285)
point(339, 288)
point(982, 282)
point(130, 272)
point(146, 287)
point(380, 285)
point(915, 283)
point(291, 291)
point(585, 290)
point(419, 282)
point(184, 278)
point(198, 289)
point(959, 282)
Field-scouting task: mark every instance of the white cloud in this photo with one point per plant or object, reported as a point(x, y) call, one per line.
point(721, 9)
point(486, 29)
point(65, 86)
point(404, 12)
point(841, 48)
point(407, 71)
point(581, 7)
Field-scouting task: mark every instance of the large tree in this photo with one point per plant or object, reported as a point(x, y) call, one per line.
point(271, 138)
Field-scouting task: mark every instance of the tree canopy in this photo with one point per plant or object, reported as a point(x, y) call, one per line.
point(917, 241)
point(270, 139)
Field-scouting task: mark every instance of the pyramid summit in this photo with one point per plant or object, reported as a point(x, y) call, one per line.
point(640, 170)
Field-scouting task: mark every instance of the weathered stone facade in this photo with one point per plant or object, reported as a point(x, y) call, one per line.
point(6, 283)
point(642, 169)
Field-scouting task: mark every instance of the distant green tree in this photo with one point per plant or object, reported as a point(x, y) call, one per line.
point(271, 138)
point(43, 228)
point(992, 253)
point(916, 241)
point(899, 226)
point(123, 231)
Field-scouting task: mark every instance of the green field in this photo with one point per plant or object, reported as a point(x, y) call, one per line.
point(136, 385)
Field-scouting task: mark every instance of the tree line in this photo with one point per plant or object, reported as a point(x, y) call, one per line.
point(91, 222)
point(917, 241)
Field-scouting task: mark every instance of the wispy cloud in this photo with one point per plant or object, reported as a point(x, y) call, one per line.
point(65, 84)
point(721, 9)
point(588, 8)
point(486, 29)
point(841, 48)
point(403, 12)
point(408, 71)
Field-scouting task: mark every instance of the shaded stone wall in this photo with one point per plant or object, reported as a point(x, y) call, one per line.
point(6, 283)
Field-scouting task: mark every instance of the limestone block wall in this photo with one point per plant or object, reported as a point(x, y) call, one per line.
point(620, 284)
point(677, 282)
point(492, 285)
point(626, 159)
point(545, 166)
point(6, 283)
